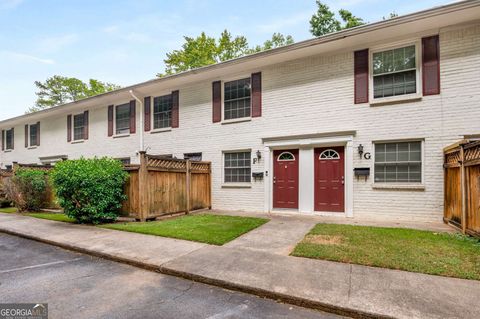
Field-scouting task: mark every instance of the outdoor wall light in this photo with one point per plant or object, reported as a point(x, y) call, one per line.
point(259, 155)
point(360, 150)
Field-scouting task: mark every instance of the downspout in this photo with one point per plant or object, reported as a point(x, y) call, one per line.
point(141, 119)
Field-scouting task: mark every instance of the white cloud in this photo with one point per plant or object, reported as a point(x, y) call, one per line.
point(27, 57)
point(56, 43)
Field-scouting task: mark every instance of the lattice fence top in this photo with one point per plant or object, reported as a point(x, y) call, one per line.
point(472, 151)
point(5, 173)
point(159, 162)
point(202, 166)
point(37, 167)
point(166, 163)
point(452, 158)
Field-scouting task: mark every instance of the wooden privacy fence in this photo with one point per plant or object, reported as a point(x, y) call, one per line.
point(160, 186)
point(4, 174)
point(462, 186)
point(51, 200)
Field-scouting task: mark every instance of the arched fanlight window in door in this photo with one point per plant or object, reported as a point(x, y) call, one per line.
point(285, 156)
point(329, 155)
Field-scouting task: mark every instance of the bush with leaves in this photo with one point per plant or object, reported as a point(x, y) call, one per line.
point(90, 190)
point(27, 189)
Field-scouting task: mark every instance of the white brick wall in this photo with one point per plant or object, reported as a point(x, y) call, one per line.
point(310, 95)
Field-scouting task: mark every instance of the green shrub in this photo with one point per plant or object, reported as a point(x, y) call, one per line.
point(90, 190)
point(4, 202)
point(27, 189)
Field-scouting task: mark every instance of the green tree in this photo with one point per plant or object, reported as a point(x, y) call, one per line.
point(277, 40)
point(58, 90)
point(349, 19)
point(205, 50)
point(391, 15)
point(324, 20)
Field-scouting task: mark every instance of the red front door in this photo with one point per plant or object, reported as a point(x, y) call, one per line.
point(329, 179)
point(285, 179)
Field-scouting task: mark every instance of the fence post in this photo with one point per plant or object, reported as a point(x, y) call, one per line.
point(463, 189)
point(188, 182)
point(142, 187)
point(210, 185)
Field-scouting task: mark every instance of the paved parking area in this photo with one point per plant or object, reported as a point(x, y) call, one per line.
point(80, 286)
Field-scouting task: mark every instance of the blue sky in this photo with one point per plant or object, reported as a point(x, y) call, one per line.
point(125, 42)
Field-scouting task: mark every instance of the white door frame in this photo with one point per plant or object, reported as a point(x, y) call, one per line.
point(306, 146)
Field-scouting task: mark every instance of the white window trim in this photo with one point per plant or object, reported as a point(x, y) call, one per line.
point(406, 185)
point(30, 146)
point(7, 150)
point(236, 184)
point(115, 134)
point(74, 141)
point(222, 84)
point(418, 63)
point(154, 130)
point(329, 158)
point(286, 160)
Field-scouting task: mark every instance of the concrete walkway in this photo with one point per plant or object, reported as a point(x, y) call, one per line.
point(342, 288)
point(279, 236)
point(361, 221)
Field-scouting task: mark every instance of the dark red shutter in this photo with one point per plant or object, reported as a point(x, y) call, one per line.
point(361, 76)
point(132, 117)
point(85, 125)
point(69, 128)
point(175, 108)
point(38, 133)
point(216, 101)
point(26, 135)
point(110, 120)
point(3, 140)
point(431, 65)
point(257, 94)
point(13, 138)
point(147, 119)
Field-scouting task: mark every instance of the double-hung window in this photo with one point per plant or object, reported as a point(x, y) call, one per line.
point(395, 72)
point(237, 98)
point(9, 139)
point(398, 162)
point(78, 127)
point(33, 134)
point(162, 111)
point(237, 167)
point(122, 119)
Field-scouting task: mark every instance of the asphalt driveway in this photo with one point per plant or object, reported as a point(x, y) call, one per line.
point(81, 286)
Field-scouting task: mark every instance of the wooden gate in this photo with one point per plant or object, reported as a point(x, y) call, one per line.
point(160, 186)
point(462, 186)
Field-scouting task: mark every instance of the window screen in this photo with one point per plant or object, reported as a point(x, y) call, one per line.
point(237, 99)
point(122, 119)
point(78, 125)
point(398, 162)
point(237, 167)
point(33, 135)
point(162, 111)
point(394, 72)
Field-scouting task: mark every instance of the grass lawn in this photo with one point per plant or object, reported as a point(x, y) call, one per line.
point(50, 216)
point(8, 210)
point(443, 254)
point(204, 228)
